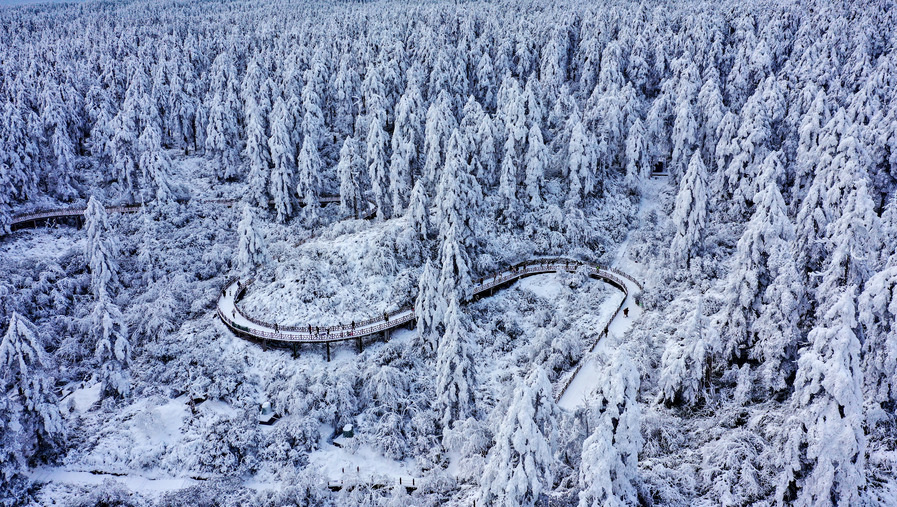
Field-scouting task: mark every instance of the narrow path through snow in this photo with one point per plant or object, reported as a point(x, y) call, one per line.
point(583, 381)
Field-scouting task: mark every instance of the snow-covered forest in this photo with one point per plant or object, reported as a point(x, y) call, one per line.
point(352, 159)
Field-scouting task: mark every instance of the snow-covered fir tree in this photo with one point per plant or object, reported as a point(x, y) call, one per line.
point(349, 175)
point(825, 448)
point(690, 213)
point(377, 160)
point(107, 324)
point(284, 159)
point(455, 380)
point(536, 162)
point(520, 465)
point(29, 411)
point(251, 248)
point(609, 471)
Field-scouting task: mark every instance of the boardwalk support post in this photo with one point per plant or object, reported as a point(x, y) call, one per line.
point(328, 351)
point(360, 344)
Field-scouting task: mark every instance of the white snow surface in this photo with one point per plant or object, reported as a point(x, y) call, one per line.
point(83, 398)
point(133, 481)
point(365, 464)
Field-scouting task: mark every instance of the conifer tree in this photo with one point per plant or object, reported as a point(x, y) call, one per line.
point(107, 325)
point(878, 314)
point(406, 140)
point(682, 375)
point(536, 164)
point(419, 212)
point(377, 159)
point(27, 384)
point(251, 249)
point(257, 155)
point(283, 156)
point(638, 167)
point(439, 126)
point(486, 153)
point(223, 137)
point(581, 164)
point(520, 466)
point(155, 168)
point(347, 171)
point(429, 308)
point(690, 213)
point(308, 169)
point(56, 116)
point(759, 315)
point(454, 370)
point(825, 450)
point(609, 470)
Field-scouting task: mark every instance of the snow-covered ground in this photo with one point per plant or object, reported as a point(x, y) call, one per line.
point(583, 383)
point(149, 486)
point(365, 464)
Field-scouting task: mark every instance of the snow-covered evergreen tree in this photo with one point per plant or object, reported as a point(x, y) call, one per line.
point(581, 164)
point(690, 213)
point(486, 152)
point(878, 314)
point(107, 325)
point(123, 147)
point(14, 479)
point(853, 239)
point(155, 169)
point(455, 381)
point(608, 474)
point(56, 117)
point(825, 449)
point(419, 212)
point(763, 274)
point(710, 113)
point(455, 277)
point(520, 466)
point(284, 159)
point(257, 155)
point(251, 248)
point(308, 173)
point(536, 165)
point(5, 199)
point(377, 160)
point(439, 126)
point(29, 411)
point(514, 119)
point(348, 172)
point(685, 131)
point(222, 141)
point(429, 309)
point(682, 375)
point(406, 142)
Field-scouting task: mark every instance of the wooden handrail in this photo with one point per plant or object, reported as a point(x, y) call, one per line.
point(374, 325)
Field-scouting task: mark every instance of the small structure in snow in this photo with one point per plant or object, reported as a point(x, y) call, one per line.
point(348, 431)
point(266, 416)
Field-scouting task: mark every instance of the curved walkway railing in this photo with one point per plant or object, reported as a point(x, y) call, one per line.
point(245, 325)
